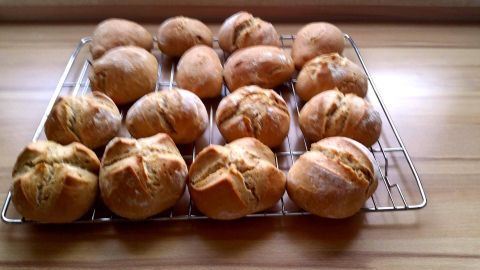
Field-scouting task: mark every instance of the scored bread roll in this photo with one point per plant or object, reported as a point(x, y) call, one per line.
point(112, 33)
point(231, 181)
point(331, 113)
point(265, 66)
point(177, 112)
point(92, 120)
point(178, 34)
point(330, 71)
point(142, 178)
point(243, 30)
point(315, 39)
point(251, 111)
point(125, 74)
point(333, 179)
point(200, 71)
point(53, 183)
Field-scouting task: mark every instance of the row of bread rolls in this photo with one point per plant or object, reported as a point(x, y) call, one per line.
point(137, 179)
point(229, 181)
point(140, 178)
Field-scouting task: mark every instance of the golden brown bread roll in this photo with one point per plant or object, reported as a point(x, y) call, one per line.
point(251, 111)
point(333, 179)
point(265, 66)
point(243, 30)
point(54, 183)
point(330, 71)
point(231, 181)
point(200, 71)
point(125, 74)
point(142, 178)
point(177, 112)
point(112, 33)
point(315, 39)
point(178, 34)
point(92, 120)
point(331, 113)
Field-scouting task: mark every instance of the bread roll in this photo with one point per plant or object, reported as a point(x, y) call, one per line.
point(200, 71)
point(330, 71)
point(231, 181)
point(315, 39)
point(331, 113)
point(54, 183)
point(125, 74)
point(142, 178)
point(112, 33)
point(333, 179)
point(265, 66)
point(178, 34)
point(92, 120)
point(251, 111)
point(177, 112)
point(243, 30)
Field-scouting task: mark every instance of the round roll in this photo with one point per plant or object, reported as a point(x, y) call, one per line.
point(231, 181)
point(112, 33)
point(53, 183)
point(331, 113)
point(177, 112)
point(200, 71)
point(178, 34)
point(142, 178)
point(125, 74)
point(333, 179)
point(330, 71)
point(92, 120)
point(315, 39)
point(265, 66)
point(243, 30)
point(251, 111)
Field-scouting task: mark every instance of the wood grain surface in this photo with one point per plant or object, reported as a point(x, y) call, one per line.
point(429, 76)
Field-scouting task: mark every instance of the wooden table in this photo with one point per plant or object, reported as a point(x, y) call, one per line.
point(430, 80)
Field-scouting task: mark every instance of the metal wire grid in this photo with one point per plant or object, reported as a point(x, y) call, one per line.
point(382, 163)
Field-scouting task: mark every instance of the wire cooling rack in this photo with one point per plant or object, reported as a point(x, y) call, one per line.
point(399, 187)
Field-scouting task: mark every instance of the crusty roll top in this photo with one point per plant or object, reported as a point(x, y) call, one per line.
point(243, 30)
point(177, 112)
point(331, 113)
point(334, 179)
point(91, 119)
point(141, 178)
point(265, 66)
point(113, 33)
point(54, 183)
point(254, 112)
point(328, 71)
point(228, 182)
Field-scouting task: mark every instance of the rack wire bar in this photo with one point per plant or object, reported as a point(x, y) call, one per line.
point(385, 153)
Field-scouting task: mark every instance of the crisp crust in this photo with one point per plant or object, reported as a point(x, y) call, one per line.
point(331, 113)
point(265, 66)
point(334, 179)
point(125, 74)
point(141, 178)
point(231, 181)
point(251, 111)
point(54, 183)
point(315, 39)
point(329, 71)
point(177, 112)
point(200, 71)
point(178, 34)
point(242, 30)
point(92, 120)
point(113, 33)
